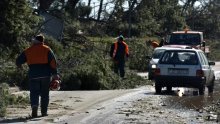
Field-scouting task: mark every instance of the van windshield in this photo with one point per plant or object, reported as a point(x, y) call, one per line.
point(185, 39)
point(157, 53)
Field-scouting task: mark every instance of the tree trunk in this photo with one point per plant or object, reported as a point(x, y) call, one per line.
point(132, 4)
point(89, 3)
point(100, 10)
point(45, 4)
point(72, 3)
point(63, 3)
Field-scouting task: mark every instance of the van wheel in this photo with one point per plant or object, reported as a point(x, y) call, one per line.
point(201, 90)
point(211, 86)
point(150, 77)
point(158, 89)
point(169, 89)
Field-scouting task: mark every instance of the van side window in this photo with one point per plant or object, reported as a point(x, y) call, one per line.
point(204, 61)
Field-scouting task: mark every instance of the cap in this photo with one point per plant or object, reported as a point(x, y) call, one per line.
point(39, 38)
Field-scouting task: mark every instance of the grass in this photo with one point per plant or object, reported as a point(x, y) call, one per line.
point(8, 99)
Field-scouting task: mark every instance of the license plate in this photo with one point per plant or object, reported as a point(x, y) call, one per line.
point(177, 71)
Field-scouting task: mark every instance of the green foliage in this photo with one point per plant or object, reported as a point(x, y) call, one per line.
point(3, 99)
point(83, 11)
point(146, 19)
point(13, 76)
point(71, 27)
point(16, 21)
point(204, 17)
point(84, 65)
point(55, 45)
point(156, 16)
point(91, 69)
point(138, 50)
point(214, 46)
point(8, 99)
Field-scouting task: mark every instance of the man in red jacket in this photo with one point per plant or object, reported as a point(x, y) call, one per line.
point(42, 66)
point(119, 50)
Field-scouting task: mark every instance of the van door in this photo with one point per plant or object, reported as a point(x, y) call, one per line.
point(205, 67)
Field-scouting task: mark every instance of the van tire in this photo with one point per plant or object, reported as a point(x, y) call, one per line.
point(158, 89)
point(201, 90)
point(211, 86)
point(169, 89)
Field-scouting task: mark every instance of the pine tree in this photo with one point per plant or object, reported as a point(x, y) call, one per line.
point(16, 21)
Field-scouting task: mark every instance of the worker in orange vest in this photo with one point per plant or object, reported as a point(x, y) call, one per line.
point(42, 68)
point(154, 44)
point(119, 51)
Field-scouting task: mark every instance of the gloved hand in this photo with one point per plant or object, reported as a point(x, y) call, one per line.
point(55, 83)
point(56, 77)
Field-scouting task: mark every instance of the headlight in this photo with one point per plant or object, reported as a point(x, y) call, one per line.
point(153, 66)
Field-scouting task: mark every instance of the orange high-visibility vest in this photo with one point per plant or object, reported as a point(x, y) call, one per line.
point(116, 48)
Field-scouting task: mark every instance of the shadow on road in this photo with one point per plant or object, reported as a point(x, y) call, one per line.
point(20, 119)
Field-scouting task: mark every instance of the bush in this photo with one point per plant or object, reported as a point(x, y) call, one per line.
point(214, 49)
point(55, 45)
point(7, 99)
point(84, 69)
point(12, 76)
point(138, 50)
point(3, 99)
point(85, 66)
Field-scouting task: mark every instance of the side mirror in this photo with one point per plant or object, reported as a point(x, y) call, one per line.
point(211, 63)
point(148, 57)
point(203, 44)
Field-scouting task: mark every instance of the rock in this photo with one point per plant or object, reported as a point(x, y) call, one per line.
point(161, 112)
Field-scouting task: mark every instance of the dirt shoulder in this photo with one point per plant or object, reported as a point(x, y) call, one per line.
point(62, 103)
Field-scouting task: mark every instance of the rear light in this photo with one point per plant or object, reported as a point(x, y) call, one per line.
point(153, 66)
point(199, 73)
point(157, 71)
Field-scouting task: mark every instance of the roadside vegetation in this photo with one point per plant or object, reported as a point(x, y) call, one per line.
point(8, 99)
point(215, 49)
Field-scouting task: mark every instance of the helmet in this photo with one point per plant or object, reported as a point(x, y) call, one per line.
point(120, 38)
point(55, 85)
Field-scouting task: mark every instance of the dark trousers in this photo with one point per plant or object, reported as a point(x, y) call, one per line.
point(40, 87)
point(119, 67)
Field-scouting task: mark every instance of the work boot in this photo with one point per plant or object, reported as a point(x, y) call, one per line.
point(44, 111)
point(34, 112)
point(44, 114)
